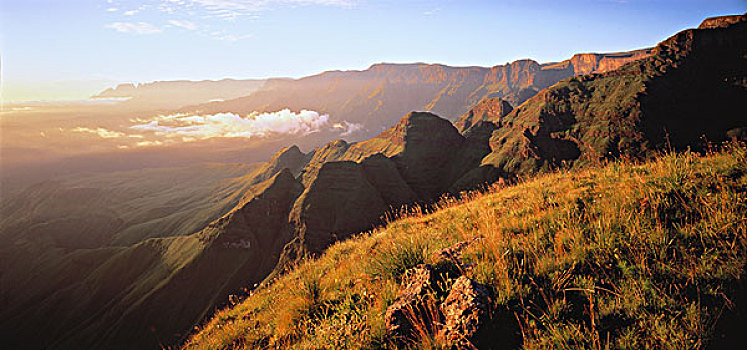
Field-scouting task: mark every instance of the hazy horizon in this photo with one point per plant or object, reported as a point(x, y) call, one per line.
point(54, 50)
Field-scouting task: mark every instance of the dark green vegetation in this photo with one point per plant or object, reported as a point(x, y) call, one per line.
point(628, 256)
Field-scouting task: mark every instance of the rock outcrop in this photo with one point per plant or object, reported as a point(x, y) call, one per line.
point(350, 186)
point(430, 146)
point(417, 287)
point(457, 320)
point(721, 21)
point(465, 311)
point(491, 109)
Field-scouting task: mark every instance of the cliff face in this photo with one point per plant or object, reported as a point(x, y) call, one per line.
point(721, 21)
point(598, 63)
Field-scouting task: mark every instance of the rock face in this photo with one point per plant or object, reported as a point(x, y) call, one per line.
point(417, 284)
point(587, 63)
point(465, 311)
point(382, 173)
point(488, 110)
point(722, 21)
point(456, 321)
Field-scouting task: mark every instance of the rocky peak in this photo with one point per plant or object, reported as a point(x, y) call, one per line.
point(331, 151)
point(288, 158)
point(430, 144)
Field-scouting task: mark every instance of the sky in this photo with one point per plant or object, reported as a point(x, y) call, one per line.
point(71, 49)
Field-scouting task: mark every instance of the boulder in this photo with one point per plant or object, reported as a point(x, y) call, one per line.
point(417, 284)
point(465, 311)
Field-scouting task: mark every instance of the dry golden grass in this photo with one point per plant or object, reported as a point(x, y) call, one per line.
point(625, 256)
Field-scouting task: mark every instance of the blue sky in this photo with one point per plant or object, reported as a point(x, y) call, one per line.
point(70, 49)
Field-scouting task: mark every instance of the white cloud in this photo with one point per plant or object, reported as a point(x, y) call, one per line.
point(100, 132)
point(232, 125)
point(134, 27)
point(183, 24)
point(346, 128)
point(130, 12)
point(112, 9)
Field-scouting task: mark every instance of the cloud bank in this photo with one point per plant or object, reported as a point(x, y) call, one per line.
point(183, 127)
point(233, 125)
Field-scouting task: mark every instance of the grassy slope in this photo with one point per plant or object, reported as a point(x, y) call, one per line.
point(626, 256)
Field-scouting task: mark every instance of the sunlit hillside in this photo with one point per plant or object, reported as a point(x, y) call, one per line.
point(626, 256)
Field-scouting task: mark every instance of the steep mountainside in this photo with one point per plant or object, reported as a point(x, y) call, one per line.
point(374, 97)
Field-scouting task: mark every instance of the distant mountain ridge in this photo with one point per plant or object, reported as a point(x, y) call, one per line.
point(177, 93)
point(375, 97)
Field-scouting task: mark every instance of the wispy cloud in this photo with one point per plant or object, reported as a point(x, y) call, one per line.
point(183, 24)
point(100, 132)
point(232, 9)
point(346, 128)
point(432, 12)
point(140, 28)
point(230, 37)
